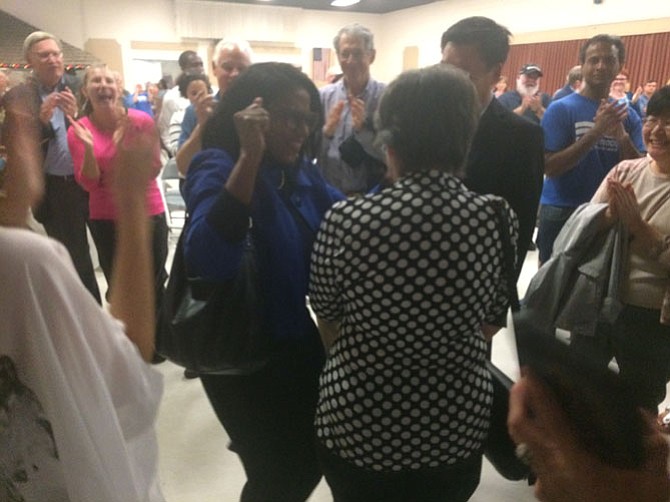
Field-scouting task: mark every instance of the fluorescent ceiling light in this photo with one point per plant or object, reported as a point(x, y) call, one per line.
point(343, 3)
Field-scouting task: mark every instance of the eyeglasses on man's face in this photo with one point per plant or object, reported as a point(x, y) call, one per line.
point(46, 55)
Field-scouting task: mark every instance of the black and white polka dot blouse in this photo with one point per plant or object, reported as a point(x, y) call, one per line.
point(411, 273)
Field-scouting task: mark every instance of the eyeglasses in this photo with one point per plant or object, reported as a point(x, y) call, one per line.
point(293, 119)
point(45, 55)
point(355, 54)
point(652, 122)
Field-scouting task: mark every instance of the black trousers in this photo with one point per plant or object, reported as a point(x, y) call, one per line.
point(641, 347)
point(104, 236)
point(64, 214)
point(269, 417)
point(349, 483)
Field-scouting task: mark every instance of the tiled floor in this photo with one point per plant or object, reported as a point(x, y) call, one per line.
point(195, 465)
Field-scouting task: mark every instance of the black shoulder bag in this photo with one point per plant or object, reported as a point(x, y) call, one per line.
point(499, 449)
point(214, 327)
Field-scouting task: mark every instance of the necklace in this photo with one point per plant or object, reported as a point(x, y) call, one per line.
point(282, 180)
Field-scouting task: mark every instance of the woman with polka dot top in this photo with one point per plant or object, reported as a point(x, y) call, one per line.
point(409, 285)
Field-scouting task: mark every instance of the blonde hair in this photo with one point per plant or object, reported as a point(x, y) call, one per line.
point(86, 107)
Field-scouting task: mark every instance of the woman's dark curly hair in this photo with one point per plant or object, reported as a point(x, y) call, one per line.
point(185, 80)
point(271, 81)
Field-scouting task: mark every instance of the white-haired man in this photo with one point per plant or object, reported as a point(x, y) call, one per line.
point(527, 100)
point(348, 159)
point(230, 59)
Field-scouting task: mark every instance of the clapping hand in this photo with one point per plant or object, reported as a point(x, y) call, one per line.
point(535, 103)
point(204, 106)
point(24, 179)
point(82, 132)
point(67, 102)
point(623, 205)
point(358, 114)
point(609, 119)
point(64, 100)
point(135, 158)
point(333, 119)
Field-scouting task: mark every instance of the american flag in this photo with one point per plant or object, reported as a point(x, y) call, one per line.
point(320, 63)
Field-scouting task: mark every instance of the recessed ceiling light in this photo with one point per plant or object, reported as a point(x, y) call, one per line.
point(343, 3)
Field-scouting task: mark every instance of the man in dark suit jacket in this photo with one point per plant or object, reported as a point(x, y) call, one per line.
point(507, 153)
point(64, 208)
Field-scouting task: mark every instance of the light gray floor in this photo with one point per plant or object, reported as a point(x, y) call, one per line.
point(195, 465)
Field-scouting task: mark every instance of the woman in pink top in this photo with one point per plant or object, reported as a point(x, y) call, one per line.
point(92, 141)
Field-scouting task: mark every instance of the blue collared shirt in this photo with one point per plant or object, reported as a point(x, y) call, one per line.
point(337, 172)
point(58, 160)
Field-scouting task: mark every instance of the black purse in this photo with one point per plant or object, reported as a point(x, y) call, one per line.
point(499, 448)
point(214, 327)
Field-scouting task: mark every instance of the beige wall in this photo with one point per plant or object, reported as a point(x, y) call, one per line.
point(107, 50)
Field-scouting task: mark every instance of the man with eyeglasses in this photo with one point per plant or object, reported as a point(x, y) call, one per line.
point(348, 159)
point(64, 208)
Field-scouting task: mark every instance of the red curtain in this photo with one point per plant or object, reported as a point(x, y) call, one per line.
point(647, 56)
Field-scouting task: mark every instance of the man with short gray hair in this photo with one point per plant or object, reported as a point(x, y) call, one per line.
point(348, 160)
point(231, 57)
point(64, 208)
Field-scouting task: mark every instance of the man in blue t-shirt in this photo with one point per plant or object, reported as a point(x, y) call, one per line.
point(642, 95)
point(585, 135)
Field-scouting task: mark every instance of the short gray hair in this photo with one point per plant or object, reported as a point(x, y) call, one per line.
point(36, 37)
point(224, 44)
point(355, 30)
point(429, 117)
